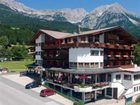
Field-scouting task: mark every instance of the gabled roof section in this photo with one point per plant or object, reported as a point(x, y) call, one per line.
point(54, 34)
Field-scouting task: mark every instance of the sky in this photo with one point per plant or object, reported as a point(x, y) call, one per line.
point(88, 5)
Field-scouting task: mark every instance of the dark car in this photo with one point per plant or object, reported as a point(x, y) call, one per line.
point(47, 92)
point(32, 85)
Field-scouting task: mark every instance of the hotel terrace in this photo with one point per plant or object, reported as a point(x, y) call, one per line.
point(89, 65)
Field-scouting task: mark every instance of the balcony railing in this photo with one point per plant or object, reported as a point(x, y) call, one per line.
point(90, 44)
point(50, 46)
point(127, 66)
point(54, 57)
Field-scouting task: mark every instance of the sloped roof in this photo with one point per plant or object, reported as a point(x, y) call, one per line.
point(56, 34)
point(99, 31)
point(62, 35)
point(95, 31)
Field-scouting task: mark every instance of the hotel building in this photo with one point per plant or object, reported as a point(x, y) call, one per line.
point(89, 65)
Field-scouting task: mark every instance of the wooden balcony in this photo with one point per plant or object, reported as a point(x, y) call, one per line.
point(50, 46)
point(127, 66)
point(69, 45)
point(91, 45)
point(54, 58)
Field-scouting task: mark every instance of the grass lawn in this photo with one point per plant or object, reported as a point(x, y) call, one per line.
point(136, 104)
point(16, 66)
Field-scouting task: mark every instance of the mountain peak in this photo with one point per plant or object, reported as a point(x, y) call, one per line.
point(14, 5)
point(115, 7)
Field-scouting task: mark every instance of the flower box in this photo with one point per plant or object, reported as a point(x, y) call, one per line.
point(82, 89)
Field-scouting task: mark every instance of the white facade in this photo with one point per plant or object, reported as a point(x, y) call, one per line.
point(101, 38)
point(40, 39)
point(131, 87)
point(84, 55)
point(38, 57)
point(38, 48)
point(122, 84)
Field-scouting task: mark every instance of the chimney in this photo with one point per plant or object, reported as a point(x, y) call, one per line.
point(78, 29)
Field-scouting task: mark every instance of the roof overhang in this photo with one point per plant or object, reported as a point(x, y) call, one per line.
point(85, 71)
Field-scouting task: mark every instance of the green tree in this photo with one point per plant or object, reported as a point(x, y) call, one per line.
point(19, 52)
point(4, 41)
point(4, 49)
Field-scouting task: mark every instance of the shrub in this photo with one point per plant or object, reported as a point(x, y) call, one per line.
point(78, 103)
point(138, 99)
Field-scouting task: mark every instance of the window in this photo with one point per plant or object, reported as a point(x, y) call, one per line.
point(83, 38)
point(101, 64)
point(74, 64)
point(92, 65)
point(80, 65)
point(135, 89)
point(96, 65)
point(71, 64)
point(109, 91)
point(68, 40)
point(87, 65)
point(38, 53)
point(137, 77)
point(118, 77)
point(101, 53)
point(94, 53)
point(127, 77)
point(38, 44)
point(39, 62)
point(97, 38)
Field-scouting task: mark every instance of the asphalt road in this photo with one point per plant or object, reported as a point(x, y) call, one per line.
point(12, 93)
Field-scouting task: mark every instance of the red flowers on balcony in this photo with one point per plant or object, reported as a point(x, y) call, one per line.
point(117, 45)
point(108, 44)
point(117, 54)
point(97, 43)
point(125, 55)
point(109, 54)
point(101, 84)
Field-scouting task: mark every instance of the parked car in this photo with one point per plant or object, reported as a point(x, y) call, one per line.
point(47, 92)
point(3, 70)
point(32, 85)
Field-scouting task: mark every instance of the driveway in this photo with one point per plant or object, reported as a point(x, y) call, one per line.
point(22, 81)
point(12, 96)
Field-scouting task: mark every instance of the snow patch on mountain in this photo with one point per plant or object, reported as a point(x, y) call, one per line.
point(134, 21)
point(71, 15)
point(107, 14)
